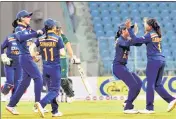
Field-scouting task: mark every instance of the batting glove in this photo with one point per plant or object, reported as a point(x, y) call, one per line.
point(75, 60)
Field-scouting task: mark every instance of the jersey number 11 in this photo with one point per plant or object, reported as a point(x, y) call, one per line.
point(46, 54)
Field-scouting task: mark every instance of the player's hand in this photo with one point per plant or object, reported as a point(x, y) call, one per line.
point(145, 19)
point(75, 60)
point(6, 60)
point(145, 24)
point(135, 28)
point(128, 23)
point(39, 32)
point(35, 57)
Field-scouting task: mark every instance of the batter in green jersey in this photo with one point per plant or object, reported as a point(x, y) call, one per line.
point(63, 60)
point(66, 83)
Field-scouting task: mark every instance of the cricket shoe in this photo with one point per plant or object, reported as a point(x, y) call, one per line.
point(131, 111)
point(58, 114)
point(12, 110)
point(40, 109)
point(171, 105)
point(145, 111)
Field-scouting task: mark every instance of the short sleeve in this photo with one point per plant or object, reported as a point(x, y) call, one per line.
point(60, 43)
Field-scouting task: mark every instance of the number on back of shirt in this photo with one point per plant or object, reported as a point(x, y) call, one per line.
point(125, 55)
point(48, 54)
point(158, 43)
point(159, 46)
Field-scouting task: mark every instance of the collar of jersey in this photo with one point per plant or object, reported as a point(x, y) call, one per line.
point(123, 38)
point(51, 31)
point(22, 24)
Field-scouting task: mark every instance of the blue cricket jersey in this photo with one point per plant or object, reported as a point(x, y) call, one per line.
point(49, 48)
point(122, 50)
point(12, 46)
point(153, 43)
point(24, 35)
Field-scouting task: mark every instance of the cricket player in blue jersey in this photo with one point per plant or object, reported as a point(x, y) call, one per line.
point(120, 71)
point(12, 68)
point(155, 64)
point(24, 35)
point(66, 83)
point(51, 47)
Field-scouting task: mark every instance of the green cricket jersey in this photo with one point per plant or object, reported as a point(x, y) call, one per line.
point(65, 40)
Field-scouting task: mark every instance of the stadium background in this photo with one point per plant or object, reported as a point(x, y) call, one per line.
point(91, 27)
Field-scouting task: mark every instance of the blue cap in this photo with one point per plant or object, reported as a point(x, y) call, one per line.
point(23, 13)
point(50, 23)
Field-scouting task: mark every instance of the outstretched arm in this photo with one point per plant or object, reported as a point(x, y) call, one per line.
point(69, 49)
point(134, 38)
point(22, 37)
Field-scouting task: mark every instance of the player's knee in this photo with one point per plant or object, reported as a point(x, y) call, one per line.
point(157, 86)
point(150, 86)
point(38, 80)
point(55, 91)
point(39, 77)
point(136, 87)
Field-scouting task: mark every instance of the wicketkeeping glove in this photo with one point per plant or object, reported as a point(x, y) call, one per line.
point(6, 60)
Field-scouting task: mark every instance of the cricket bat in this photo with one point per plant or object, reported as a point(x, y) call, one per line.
point(84, 80)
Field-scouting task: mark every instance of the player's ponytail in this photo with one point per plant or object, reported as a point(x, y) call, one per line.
point(119, 32)
point(155, 26)
point(46, 29)
point(14, 24)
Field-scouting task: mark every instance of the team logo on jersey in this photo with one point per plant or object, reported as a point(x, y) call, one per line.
point(11, 39)
point(14, 43)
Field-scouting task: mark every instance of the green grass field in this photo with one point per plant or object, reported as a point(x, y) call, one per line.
point(91, 110)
